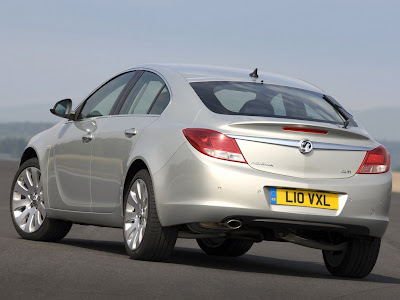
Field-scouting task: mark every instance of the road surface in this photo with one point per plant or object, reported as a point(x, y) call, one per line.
point(91, 263)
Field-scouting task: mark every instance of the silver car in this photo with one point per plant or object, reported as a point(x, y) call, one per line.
point(225, 156)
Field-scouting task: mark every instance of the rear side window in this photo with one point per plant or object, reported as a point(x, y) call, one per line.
point(256, 99)
point(145, 96)
point(160, 103)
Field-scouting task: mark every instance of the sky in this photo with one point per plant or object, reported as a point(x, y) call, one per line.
point(51, 50)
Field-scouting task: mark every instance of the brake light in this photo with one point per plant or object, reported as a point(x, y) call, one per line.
point(376, 161)
point(303, 129)
point(214, 144)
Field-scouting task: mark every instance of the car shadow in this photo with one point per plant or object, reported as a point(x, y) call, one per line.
point(247, 263)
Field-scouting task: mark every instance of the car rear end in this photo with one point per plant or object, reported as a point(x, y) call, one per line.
point(256, 184)
point(279, 152)
point(280, 163)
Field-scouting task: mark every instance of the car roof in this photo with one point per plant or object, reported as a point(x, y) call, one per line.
point(198, 73)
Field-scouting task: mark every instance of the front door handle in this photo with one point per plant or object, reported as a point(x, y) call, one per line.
point(87, 138)
point(131, 132)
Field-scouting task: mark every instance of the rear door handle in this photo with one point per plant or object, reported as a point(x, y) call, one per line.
point(131, 132)
point(87, 138)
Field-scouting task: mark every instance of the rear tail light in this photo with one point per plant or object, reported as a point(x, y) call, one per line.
point(376, 161)
point(214, 144)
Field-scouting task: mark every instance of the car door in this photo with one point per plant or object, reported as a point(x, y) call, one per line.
point(69, 166)
point(141, 106)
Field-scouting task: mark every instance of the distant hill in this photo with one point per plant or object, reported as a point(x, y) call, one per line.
point(14, 137)
point(24, 130)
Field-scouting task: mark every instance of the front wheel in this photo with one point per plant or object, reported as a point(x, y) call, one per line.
point(144, 237)
point(27, 206)
point(224, 247)
point(357, 261)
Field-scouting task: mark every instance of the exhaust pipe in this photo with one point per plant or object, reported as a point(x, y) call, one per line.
point(233, 224)
point(230, 224)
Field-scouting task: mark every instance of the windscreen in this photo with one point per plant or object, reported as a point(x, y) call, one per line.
point(264, 100)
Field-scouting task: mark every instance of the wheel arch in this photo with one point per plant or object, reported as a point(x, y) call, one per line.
point(136, 165)
point(28, 154)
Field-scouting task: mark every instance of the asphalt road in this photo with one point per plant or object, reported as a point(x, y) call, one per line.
point(91, 263)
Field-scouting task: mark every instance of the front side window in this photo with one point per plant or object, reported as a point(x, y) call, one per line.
point(264, 100)
point(101, 102)
point(143, 95)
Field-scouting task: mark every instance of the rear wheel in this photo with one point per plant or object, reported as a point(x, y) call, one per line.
point(145, 238)
point(357, 261)
point(224, 247)
point(28, 209)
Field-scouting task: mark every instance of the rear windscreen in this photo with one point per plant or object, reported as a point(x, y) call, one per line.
point(264, 100)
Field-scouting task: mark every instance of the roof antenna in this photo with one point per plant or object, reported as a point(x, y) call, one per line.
point(254, 75)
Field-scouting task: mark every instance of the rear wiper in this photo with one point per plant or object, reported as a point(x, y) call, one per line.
point(340, 109)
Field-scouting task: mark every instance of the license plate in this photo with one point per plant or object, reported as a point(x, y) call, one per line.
point(305, 198)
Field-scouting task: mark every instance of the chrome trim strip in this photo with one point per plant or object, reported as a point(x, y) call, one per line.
point(295, 143)
point(328, 146)
point(282, 142)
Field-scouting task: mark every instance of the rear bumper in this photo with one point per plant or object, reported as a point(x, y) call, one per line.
point(193, 187)
point(279, 224)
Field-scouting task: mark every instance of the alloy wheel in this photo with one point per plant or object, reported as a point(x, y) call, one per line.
point(136, 212)
point(28, 208)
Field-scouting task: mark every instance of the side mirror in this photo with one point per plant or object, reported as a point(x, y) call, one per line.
point(63, 109)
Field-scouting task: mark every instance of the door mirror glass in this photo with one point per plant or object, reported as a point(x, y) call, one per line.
point(63, 109)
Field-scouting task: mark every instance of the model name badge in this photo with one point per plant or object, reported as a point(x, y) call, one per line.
point(260, 163)
point(345, 171)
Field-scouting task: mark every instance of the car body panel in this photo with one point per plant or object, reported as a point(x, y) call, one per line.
point(320, 163)
point(209, 190)
point(69, 188)
point(110, 159)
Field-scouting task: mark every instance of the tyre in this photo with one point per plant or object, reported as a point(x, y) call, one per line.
point(224, 247)
point(357, 261)
point(27, 206)
point(144, 237)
